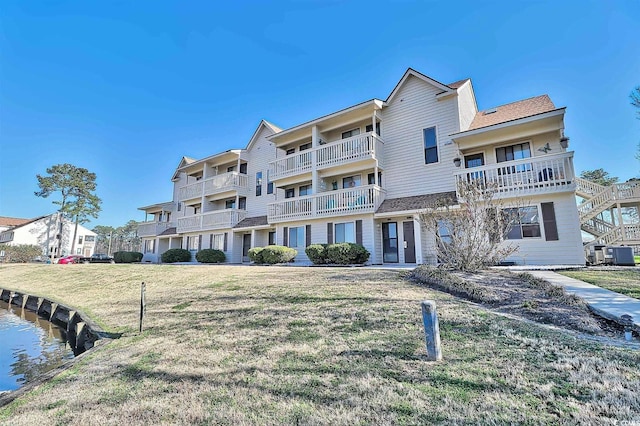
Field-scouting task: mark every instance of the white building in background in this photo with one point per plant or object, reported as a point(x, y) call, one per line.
point(363, 174)
point(42, 231)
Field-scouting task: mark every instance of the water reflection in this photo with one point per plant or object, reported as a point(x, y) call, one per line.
point(30, 346)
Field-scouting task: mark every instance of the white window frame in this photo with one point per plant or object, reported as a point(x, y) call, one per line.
point(336, 234)
point(299, 233)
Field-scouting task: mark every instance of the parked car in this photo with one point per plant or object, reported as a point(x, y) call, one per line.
point(97, 258)
point(73, 258)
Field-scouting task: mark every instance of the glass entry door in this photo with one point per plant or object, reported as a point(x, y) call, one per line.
point(390, 242)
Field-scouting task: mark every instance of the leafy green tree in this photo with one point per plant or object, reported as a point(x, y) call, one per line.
point(599, 176)
point(76, 186)
point(103, 235)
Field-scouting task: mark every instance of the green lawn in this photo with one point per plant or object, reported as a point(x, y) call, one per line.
point(625, 282)
point(321, 346)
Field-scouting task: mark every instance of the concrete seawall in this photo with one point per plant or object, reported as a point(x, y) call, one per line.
point(81, 334)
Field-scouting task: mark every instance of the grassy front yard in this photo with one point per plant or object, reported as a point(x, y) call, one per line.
point(621, 281)
point(275, 345)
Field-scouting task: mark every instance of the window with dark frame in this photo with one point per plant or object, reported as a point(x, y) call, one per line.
point(269, 184)
point(304, 190)
point(258, 184)
point(272, 238)
point(525, 222)
point(369, 128)
point(349, 133)
point(430, 145)
point(305, 146)
point(289, 193)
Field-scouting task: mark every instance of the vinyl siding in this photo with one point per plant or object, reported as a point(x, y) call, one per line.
point(413, 109)
point(261, 152)
point(467, 108)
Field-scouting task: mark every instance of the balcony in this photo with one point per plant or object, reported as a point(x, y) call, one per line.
point(363, 199)
point(152, 229)
point(225, 182)
point(550, 173)
point(368, 146)
point(219, 219)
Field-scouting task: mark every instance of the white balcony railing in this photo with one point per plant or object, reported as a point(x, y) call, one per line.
point(232, 181)
point(527, 176)
point(219, 219)
point(191, 191)
point(356, 148)
point(363, 199)
point(361, 147)
point(151, 229)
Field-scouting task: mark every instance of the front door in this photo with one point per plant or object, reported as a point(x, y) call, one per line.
point(409, 242)
point(390, 242)
point(246, 245)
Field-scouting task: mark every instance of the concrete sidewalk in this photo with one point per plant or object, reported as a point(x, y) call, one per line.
point(606, 303)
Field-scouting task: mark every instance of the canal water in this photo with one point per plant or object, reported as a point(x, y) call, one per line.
point(29, 346)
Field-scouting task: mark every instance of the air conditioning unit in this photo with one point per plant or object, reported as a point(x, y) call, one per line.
point(622, 256)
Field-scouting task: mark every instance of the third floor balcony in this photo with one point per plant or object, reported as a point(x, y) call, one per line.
point(365, 148)
point(220, 184)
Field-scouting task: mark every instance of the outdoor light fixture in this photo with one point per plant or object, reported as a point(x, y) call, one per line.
point(564, 142)
point(457, 161)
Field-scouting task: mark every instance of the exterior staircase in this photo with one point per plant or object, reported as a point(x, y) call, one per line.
point(599, 199)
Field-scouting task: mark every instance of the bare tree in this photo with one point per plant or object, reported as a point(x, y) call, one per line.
point(472, 234)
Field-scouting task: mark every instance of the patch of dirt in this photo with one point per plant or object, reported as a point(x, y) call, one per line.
point(519, 294)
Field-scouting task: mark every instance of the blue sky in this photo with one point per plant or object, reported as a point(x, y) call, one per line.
point(125, 89)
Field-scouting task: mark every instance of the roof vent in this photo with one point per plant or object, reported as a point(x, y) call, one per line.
point(490, 111)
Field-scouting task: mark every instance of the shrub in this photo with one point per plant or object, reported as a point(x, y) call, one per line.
point(255, 254)
point(277, 254)
point(317, 253)
point(347, 253)
point(127, 256)
point(21, 253)
point(176, 255)
point(210, 256)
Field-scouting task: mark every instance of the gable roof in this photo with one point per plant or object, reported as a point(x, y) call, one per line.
point(459, 83)
point(513, 111)
point(413, 73)
point(185, 161)
point(263, 123)
point(12, 221)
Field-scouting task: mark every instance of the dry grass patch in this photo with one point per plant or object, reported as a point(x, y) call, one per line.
point(277, 345)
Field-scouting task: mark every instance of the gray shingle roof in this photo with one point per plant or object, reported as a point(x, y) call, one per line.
point(416, 203)
point(250, 222)
point(169, 231)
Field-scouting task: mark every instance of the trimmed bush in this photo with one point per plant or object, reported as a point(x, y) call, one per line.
point(210, 256)
point(255, 254)
point(317, 253)
point(127, 256)
point(176, 255)
point(347, 254)
point(277, 254)
point(21, 253)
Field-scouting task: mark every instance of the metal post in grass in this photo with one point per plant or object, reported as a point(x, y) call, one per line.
point(143, 303)
point(431, 330)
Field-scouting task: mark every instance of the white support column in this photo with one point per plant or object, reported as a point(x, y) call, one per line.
point(253, 238)
point(417, 236)
point(315, 137)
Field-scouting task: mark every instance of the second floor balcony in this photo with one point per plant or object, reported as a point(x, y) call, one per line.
point(363, 199)
point(367, 146)
point(152, 229)
point(222, 183)
point(218, 219)
point(549, 173)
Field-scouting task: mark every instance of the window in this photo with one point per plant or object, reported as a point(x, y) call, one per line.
point(369, 128)
point(305, 146)
point(197, 209)
point(242, 203)
point(289, 193)
point(345, 232)
point(243, 168)
point(179, 206)
point(269, 184)
point(167, 215)
point(216, 241)
point(513, 152)
point(291, 151)
point(444, 231)
point(193, 243)
point(89, 239)
point(304, 190)
point(150, 246)
point(430, 145)
point(231, 169)
point(371, 181)
point(296, 237)
point(230, 204)
point(258, 184)
point(525, 222)
point(78, 250)
point(350, 133)
point(272, 238)
point(351, 181)
point(80, 239)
